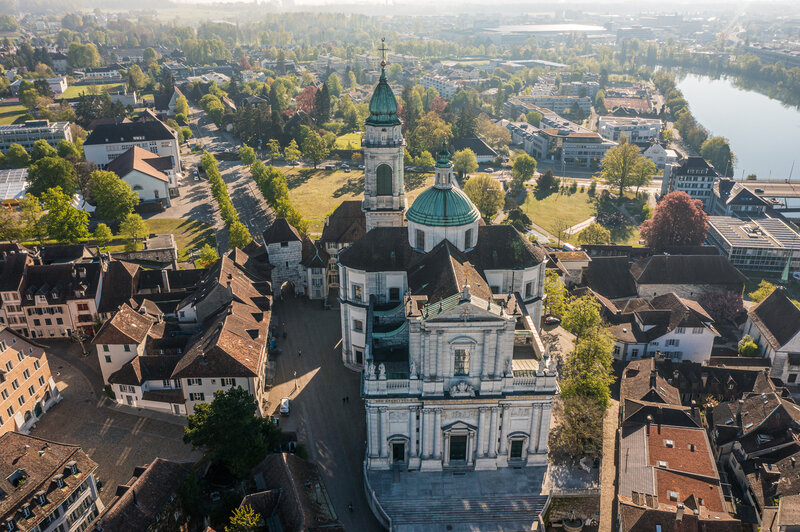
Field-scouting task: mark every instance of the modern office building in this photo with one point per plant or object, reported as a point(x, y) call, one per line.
point(28, 133)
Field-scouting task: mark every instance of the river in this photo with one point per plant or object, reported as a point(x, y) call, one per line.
point(764, 134)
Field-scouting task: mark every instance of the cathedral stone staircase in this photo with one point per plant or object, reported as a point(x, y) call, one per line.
point(501, 512)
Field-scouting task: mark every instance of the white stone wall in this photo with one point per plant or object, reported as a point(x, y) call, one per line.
point(102, 154)
point(424, 431)
point(117, 356)
point(695, 347)
point(433, 235)
point(210, 385)
point(147, 187)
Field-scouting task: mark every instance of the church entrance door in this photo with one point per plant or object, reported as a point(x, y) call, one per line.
point(398, 452)
point(458, 448)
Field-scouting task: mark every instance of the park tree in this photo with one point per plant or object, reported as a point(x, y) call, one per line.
point(273, 149)
point(42, 149)
point(102, 235)
point(717, 151)
point(748, 347)
point(83, 55)
point(136, 78)
point(412, 108)
point(519, 220)
point(556, 301)
point(292, 153)
point(17, 157)
point(315, 148)
point(588, 369)
point(134, 229)
point(466, 123)
point(619, 166)
point(547, 183)
point(182, 106)
point(230, 431)
point(244, 519)
point(465, 162)
point(678, 220)
point(523, 169)
point(149, 56)
point(579, 431)
point(208, 256)
point(334, 85)
point(322, 105)
point(247, 155)
point(32, 219)
point(594, 234)
point(239, 235)
point(765, 288)
point(51, 172)
point(10, 227)
point(582, 316)
point(428, 133)
point(113, 197)
point(65, 223)
point(486, 193)
point(643, 173)
point(424, 160)
point(67, 150)
point(495, 134)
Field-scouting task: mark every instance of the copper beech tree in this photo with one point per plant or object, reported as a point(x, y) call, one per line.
point(678, 220)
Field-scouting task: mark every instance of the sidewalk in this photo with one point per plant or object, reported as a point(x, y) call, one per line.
point(142, 412)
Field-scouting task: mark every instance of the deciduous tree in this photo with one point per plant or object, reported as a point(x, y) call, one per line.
point(230, 431)
point(717, 151)
point(244, 519)
point(522, 170)
point(555, 302)
point(17, 157)
point(765, 288)
point(51, 172)
point(619, 165)
point(722, 305)
point(207, 256)
point(42, 149)
point(748, 347)
point(239, 235)
point(486, 193)
point(292, 153)
point(465, 162)
point(65, 223)
point(594, 233)
point(582, 316)
point(247, 155)
point(135, 229)
point(102, 234)
point(114, 197)
point(678, 220)
point(315, 148)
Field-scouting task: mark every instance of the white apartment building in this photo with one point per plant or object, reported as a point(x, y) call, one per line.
point(695, 176)
point(28, 133)
point(443, 86)
point(108, 141)
point(636, 130)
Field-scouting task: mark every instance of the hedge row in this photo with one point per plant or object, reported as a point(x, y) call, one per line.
point(272, 184)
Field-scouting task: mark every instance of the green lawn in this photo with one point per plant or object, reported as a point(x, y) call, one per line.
point(9, 113)
point(74, 91)
point(354, 139)
point(557, 212)
point(316, 193)
point(189, 234)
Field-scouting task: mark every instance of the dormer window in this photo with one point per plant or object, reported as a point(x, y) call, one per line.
point(26, 510)
point(10, 524)
point(73, 467)
point(41, 497)
point(59, 480)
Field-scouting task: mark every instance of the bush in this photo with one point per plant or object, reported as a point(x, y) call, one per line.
point(593, 188)
point(109, 392)
point(748, 347)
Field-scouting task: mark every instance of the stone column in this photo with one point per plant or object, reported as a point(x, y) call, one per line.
point(437, 434)
point(384, 422)
point(544, 428)
point(533, 432)
point(370, 427)
point(480, 436)
point(492, 450)
point(425, 434)
point(504, 429)
point(498, 358)
point(412, 431)
point(484, 350)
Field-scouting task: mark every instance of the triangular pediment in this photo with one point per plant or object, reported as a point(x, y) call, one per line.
point(465, 311)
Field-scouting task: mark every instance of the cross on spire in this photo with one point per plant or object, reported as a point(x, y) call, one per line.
point(383, 49)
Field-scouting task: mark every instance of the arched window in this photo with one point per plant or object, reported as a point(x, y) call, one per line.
point(384, 174)
point(137, 187)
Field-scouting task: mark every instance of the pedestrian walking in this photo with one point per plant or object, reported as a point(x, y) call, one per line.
point(299, 352)
point(350, 507)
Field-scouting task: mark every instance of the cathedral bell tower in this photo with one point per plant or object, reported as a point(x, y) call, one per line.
point(384, 146)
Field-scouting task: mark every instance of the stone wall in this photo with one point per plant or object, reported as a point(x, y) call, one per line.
point(286, 263)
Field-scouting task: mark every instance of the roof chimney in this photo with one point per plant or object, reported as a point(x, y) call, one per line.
point(653, 375)
point(679, 513)
point(739, 412)
point(165, 280)
point(649, 422)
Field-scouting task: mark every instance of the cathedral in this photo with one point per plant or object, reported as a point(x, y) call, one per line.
point(440, 312)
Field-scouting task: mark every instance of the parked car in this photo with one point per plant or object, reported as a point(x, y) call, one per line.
point(285, 406)
point(796, 276)
point(330, 167)
point(344, 166)
point(196, 177)
point(346, 170)
point(552, 320)
point(360, 166)
point(489, 170)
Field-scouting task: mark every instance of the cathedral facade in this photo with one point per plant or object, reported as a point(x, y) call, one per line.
point(440, 313)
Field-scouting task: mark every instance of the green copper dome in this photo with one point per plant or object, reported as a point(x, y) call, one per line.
point(443, 207)
point(383, 105)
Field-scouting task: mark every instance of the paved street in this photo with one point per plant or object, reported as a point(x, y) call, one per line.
point(333, 431)
point(245, 196)
point(117, 441)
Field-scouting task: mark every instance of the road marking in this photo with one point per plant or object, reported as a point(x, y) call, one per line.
point(106, 426)
point(123, 456)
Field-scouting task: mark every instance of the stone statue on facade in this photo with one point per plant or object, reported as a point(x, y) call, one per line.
point(371, 371)
point(462, 389)
point(381, 371)
point(413, 370)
